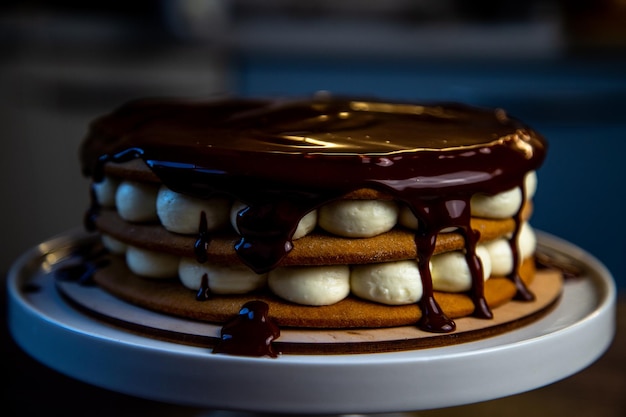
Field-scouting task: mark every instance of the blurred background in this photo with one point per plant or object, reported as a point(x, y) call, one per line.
point(558, 65)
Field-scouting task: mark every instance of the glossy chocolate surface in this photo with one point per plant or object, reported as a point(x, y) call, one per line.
point(286, 158)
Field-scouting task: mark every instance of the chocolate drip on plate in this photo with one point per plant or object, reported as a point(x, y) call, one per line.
point(250, 333)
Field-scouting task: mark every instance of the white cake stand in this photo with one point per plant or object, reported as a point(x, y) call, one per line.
point(561, 343)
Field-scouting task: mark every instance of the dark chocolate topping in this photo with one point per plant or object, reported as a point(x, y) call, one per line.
point(250, 333)
point(286, 158)
point(358, 143)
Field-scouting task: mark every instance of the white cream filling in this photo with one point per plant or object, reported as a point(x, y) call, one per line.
point(306, 225)
point(236, 207)
point(113, 245)
point(181, 213)
point(151, 264)
point(358, 218)
point(450, 272)
point(136, 201)
point(105, 191)
point(314, 286)
point(500, 250)
point(392, 283)
point(504, 204)
point(221, 279)
point(407, 219)
point(530, 184)
point(498, 206)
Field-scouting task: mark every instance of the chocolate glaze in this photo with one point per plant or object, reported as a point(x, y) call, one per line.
point(286, 158)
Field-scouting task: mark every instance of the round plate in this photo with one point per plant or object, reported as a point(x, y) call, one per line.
point(563, 342)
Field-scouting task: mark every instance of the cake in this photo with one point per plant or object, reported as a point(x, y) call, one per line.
point(325, 213)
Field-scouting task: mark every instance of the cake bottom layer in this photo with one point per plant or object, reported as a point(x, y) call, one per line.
point(547, 286)
point(171, 297)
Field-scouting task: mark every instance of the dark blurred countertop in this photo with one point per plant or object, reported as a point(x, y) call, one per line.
point(33, 389)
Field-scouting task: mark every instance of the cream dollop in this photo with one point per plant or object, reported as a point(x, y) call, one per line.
point(150, 264)
point(222, 279)
point(136, 201)
point(314, 286)
point(530, 184)
point(498, 206)
point(450, 272)
point(181, 213)
point(391, 283)
point(105, 191)
point(358, 218)
point(504, 204)
point(113, 245)
point(501, 254)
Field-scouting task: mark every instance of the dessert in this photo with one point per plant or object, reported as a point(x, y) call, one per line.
point(334, 212)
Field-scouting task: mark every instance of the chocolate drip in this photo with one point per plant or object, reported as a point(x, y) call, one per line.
point(522, 293)
point(204, 292)
point(250, 333)
point(433, 318)
point(267, 225)
point(202, 243)
point(263, 241)
point(284, 159)
point(435, 215)
point(481, 309)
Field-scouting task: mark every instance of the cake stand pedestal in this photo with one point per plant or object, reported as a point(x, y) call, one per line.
point(566, 340)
